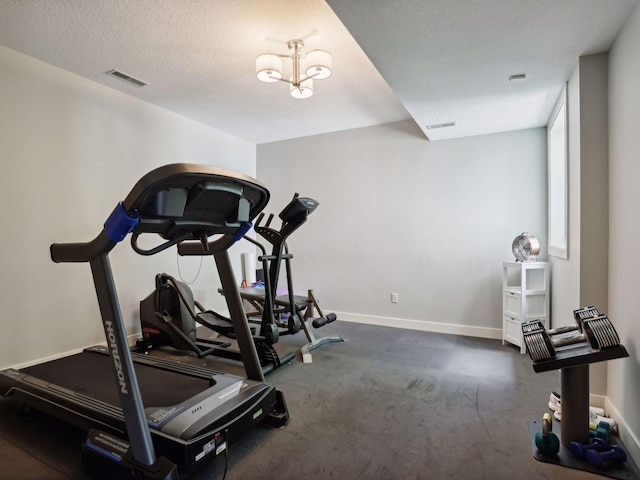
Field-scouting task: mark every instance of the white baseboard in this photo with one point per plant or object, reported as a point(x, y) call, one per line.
point(46, 359)
point(422, 325)
point(130, 338)
point(627, 435)
point(597, 400)
point(425, 326)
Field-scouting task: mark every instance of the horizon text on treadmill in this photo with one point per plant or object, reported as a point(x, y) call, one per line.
point(116, 357)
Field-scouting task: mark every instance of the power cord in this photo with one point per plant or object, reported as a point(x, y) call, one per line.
point(180, 273)
point(226, 453)
point(226, 462)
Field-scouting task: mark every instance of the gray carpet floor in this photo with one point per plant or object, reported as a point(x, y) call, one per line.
point(386, 404)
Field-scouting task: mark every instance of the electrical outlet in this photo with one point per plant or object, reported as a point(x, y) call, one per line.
point(394, 298)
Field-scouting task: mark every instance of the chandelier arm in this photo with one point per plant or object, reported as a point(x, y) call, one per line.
point(281, 55)
point(309, 77)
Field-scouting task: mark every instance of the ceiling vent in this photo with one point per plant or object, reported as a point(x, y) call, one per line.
point(440, 125)
point(127, 78)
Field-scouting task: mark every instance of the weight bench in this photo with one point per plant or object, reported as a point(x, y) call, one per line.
point(305, 307)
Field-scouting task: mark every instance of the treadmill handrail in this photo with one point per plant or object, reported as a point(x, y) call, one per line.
point(82, 252)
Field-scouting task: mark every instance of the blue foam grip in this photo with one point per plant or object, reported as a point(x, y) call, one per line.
point(246, 226)
point(120, 224)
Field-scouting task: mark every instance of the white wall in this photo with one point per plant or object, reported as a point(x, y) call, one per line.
point(623, 387)
point(430, 221)
point(71, 149)
point(582, 279)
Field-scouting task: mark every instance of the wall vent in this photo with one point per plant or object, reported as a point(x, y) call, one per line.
point(127, 78)
point(518, 77)
point(440, 125)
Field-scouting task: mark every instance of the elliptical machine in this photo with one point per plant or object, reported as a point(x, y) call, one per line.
point(298, 309)
point(169, 314)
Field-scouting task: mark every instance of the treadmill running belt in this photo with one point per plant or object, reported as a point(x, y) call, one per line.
point(91, 373)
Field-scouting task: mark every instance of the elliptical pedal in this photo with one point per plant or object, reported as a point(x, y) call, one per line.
point(268, 355)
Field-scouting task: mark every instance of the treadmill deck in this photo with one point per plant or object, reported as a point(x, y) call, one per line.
point(191, 410)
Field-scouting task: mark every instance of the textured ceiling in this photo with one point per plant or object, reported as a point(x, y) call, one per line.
point(450, 61)
point(439, 61)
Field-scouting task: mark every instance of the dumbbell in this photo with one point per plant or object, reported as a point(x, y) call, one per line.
point(598, 327)
point(580, 315)
point(602, 459)
point(601, 430)
point(584, 313)
point(541, 344)
point(547, 442)
point(579, 450)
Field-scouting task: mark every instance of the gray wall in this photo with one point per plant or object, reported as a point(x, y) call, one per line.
point(71, 149)
point(623, 388)
point(430, 221)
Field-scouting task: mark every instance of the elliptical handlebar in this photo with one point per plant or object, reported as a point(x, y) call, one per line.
point(269, 220)
point(257, 244)
point(163, 280)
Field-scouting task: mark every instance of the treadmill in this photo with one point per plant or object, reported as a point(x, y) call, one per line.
point(150, 417)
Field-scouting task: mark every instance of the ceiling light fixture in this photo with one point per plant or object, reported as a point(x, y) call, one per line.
point(315, 64)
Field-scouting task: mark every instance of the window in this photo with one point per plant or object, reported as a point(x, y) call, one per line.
point(557, 173)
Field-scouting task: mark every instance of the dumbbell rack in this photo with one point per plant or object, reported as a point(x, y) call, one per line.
point(573, 362)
